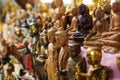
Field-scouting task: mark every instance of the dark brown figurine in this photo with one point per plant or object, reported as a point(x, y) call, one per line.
point(84, 24)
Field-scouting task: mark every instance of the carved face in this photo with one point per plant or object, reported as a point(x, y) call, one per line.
point(93, 57)
point(18, 32)
point(74, 11)
point(33, 29)
point(74, 50)
point(82, 9)
point(51, 35)
point(115, 6)
point(99, 13)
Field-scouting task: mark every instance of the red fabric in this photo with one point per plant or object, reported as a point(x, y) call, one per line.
point(28, 62)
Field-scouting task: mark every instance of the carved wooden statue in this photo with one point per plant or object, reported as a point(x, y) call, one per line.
point(84, 24)
point(62, 42)
point(51, 63)
point(111, 39)
point(99, 26)
point(73, 26)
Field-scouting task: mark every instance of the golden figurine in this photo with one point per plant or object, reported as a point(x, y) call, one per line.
point(96, 71)
point(28, 7)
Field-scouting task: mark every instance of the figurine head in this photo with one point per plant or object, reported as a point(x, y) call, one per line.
point(18, 31)
point(62, 10)
point(9, 68)
point(107, 8)
point(28, 6)
point(17, 23)
point(34, 28)
point(2, 42)
point(53, 5)
point(58, 3)
point(74, 49)
point(82, 9)
point(74, 11)
point(23, 14)
point(51, 34)
point(58, 15)
point(94, 56)
point(116, 6)
point(99, 13)
point(61, 38)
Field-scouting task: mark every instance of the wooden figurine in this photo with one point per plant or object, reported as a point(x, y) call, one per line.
point(111, 39)
point(99, 27)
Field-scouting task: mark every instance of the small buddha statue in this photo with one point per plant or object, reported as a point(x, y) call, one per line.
point(99, 26)
point(73, 26)
point(96, 70)
point(111, 39)
point(84, 24)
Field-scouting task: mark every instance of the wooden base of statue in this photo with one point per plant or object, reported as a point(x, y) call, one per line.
point(92, 44)
point(92, 40)
point(111, 42)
